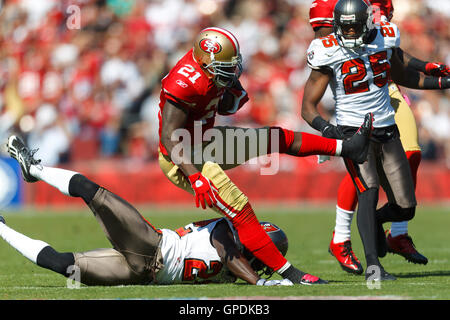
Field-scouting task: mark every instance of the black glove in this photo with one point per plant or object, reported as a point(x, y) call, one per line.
point(328, 130)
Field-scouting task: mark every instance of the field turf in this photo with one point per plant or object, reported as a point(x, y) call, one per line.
point(308, 229)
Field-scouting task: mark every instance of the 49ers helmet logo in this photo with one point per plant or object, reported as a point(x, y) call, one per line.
point(209, 46)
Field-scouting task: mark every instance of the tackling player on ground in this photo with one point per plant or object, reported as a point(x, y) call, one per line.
point(205, 82)
point(357, 60)
point(201, 252)
point(398, 240)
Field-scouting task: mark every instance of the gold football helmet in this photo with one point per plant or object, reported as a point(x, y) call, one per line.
point(216, 50)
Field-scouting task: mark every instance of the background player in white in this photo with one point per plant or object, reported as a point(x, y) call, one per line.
point(357, 60)
point(205, 251)
point(398, 239)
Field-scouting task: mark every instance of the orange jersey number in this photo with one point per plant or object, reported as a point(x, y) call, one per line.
point(329, 41)
point(197, 268)
point(386, 30)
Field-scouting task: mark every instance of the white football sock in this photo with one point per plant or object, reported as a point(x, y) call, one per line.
point(343, 228)
point(398, 228)
point(56, 177)
point(28, 247)
point(338, 147)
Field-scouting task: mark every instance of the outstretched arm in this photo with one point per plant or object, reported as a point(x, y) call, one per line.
point(412, 78)
point(435, 69)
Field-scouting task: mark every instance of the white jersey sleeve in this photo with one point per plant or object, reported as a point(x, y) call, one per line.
point(189, 256)
point(320, 52)
point(360, 76)
point(390, 33)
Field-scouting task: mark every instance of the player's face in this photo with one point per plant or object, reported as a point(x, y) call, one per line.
point(351, 31)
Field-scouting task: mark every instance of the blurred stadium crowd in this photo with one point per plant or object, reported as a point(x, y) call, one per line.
point(89, 88)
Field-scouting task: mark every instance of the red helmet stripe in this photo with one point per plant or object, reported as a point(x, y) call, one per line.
point(227, 34)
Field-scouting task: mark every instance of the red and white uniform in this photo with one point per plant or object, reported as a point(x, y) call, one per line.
point(321, 12)
point(360, 76)
point(189, 256)
point(188, 86)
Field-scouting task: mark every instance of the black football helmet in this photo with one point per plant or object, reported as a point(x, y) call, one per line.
point(280, 240)
point(357, 14)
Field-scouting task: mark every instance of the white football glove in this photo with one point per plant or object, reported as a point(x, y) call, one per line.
point(264, 282)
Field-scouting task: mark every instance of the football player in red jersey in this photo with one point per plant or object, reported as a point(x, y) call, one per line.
point(398, 240)
point(204, 82)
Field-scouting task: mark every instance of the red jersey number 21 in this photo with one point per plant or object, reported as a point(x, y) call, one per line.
point(188, 71)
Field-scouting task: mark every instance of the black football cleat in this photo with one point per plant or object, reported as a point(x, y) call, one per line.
point(404, 246)
point(357, 147)
point(299, 277)
point(2, 220)
point(377, 273)
point(19, 151)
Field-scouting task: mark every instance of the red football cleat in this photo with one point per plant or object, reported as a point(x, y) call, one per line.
point(309, 279)
point(404, 246)
point(344, 254)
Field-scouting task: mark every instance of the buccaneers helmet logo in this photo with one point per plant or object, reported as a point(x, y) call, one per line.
point(209, 46)
point(268, 227)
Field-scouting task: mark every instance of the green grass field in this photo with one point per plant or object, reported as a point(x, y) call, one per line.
point(308, 229)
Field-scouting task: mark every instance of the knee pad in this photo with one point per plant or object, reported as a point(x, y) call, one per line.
point(392, 212)
point(408, 213)
point(80, 186)
point(53, 260)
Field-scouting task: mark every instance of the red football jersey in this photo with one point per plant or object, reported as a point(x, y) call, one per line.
point(188, 86)
point(321, 11)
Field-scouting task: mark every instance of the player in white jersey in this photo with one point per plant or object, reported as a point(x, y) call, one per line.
point(356, 60)
point(141, 254)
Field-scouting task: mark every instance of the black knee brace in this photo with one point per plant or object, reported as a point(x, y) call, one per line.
point(392, 212)
point(408, 213)
point(80, 186)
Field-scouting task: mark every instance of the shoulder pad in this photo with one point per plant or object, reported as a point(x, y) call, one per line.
point(390, 33)
point(179, 90)
point(320, 51)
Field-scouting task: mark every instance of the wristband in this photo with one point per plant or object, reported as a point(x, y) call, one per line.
point(444, 82)
point(319, 123)
point(435, 83)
